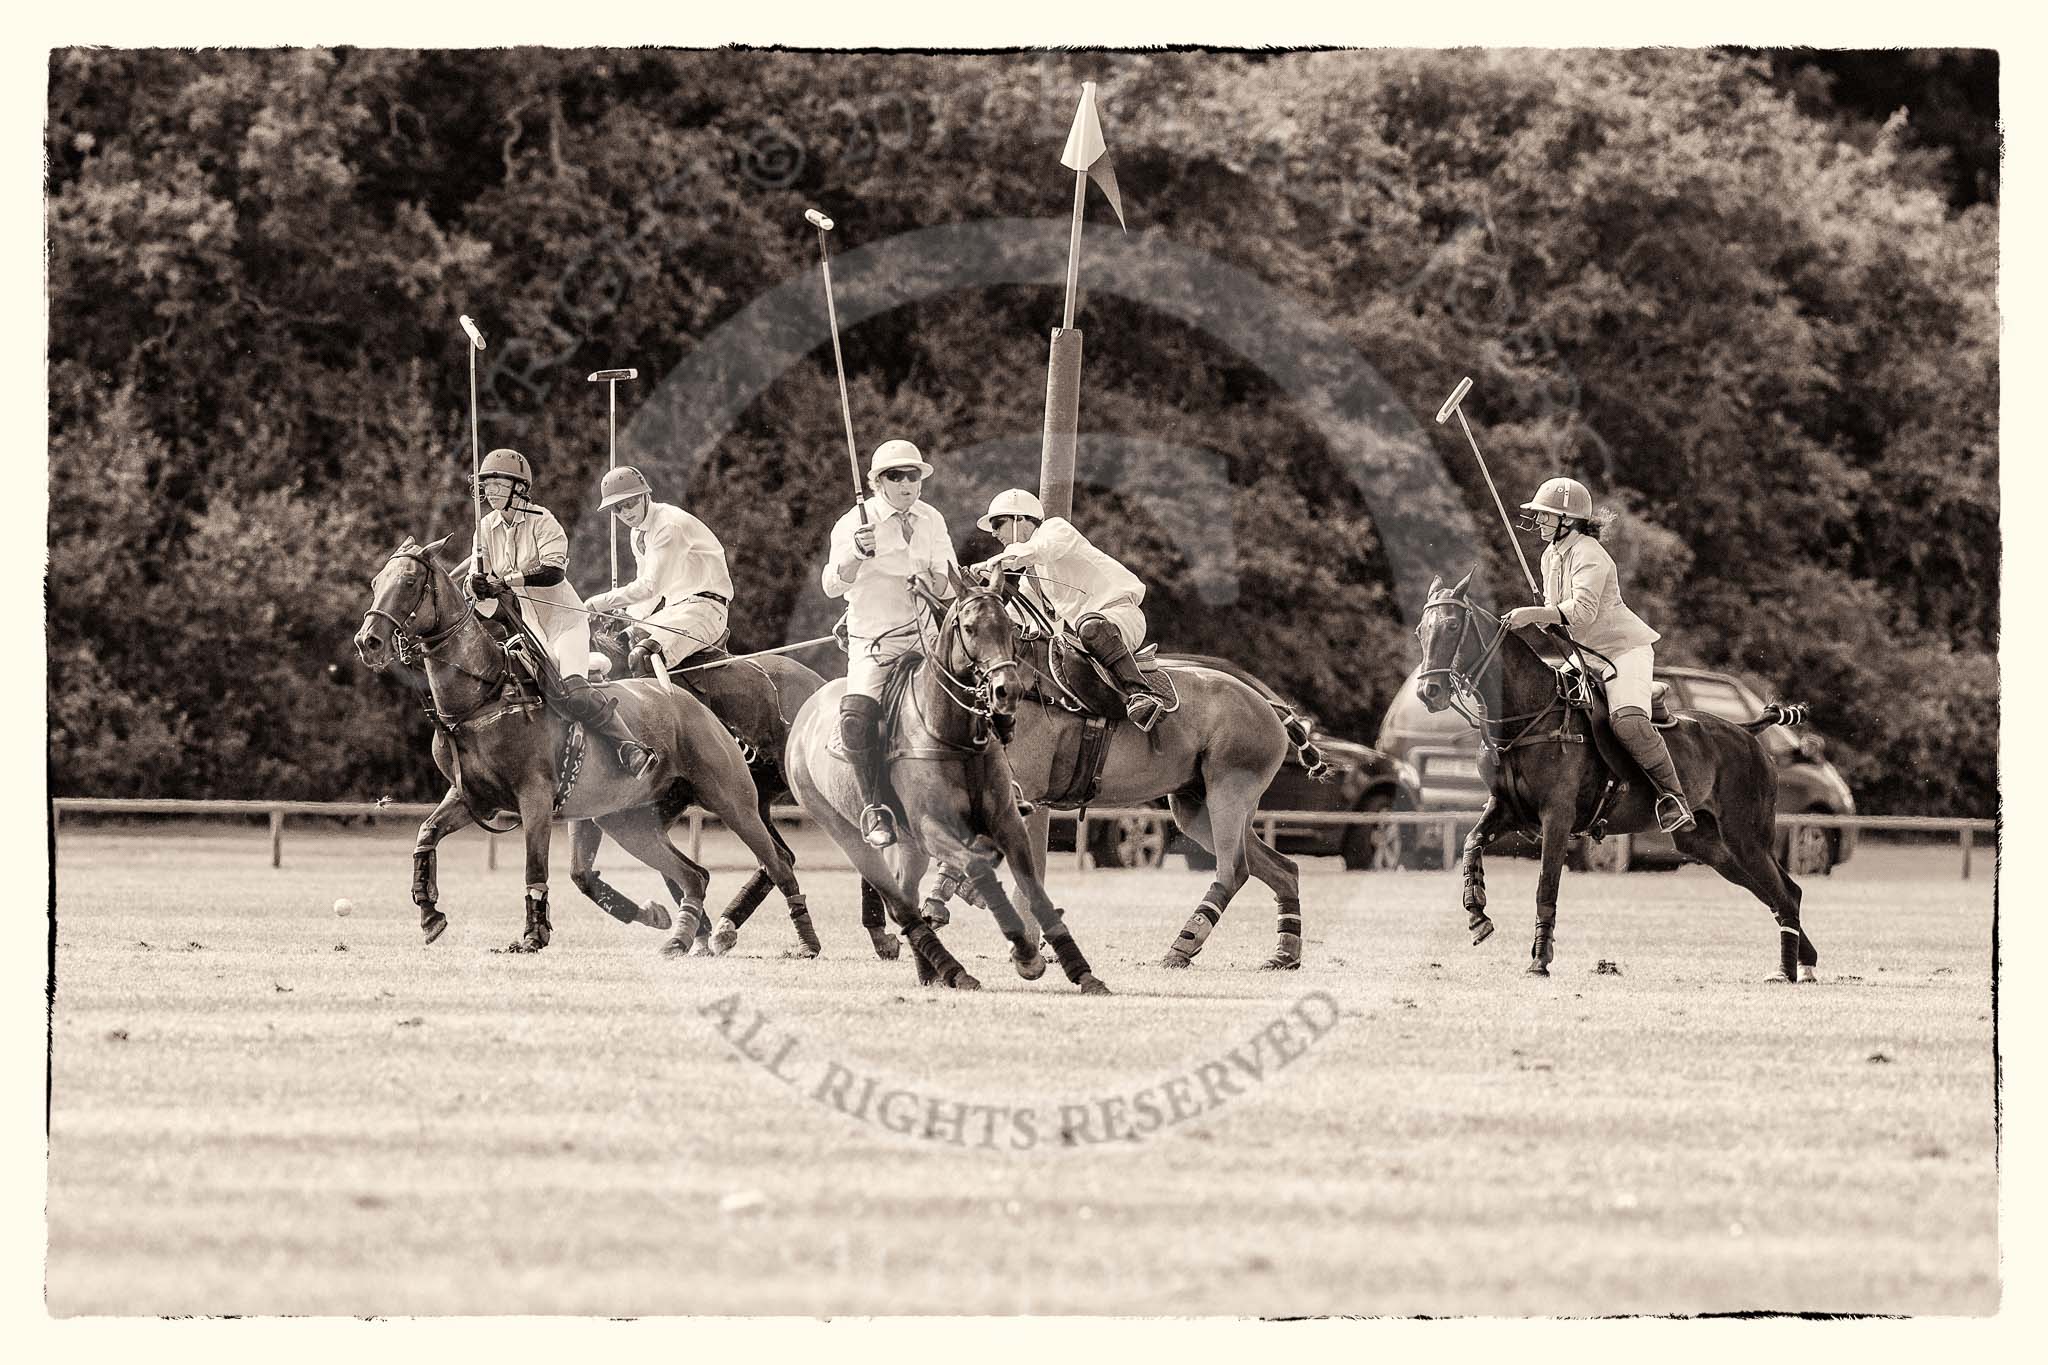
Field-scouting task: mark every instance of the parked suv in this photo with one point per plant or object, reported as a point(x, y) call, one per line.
point(1444, 752)
point(1361, 779)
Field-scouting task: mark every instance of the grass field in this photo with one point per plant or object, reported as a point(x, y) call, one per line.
point(262, 1108)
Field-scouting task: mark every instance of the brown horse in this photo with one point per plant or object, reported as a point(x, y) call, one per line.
point(1212, 757)
point(757, 698)
point(949, 773)
point(1543, 769)
point(499, 747)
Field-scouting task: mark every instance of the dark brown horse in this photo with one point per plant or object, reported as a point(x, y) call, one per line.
point(757, 697)
point(501, 752)
point(1544, 772)
point(949, 772)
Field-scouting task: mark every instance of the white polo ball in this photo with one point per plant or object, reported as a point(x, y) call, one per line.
point(344, 907)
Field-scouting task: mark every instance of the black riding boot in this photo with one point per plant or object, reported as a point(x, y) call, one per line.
point(1634, 730)
point(1106, 643)
point(859, 734)
point(594, 709)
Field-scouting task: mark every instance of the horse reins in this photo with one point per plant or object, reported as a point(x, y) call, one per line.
point(976, 698)
point(1465, 694)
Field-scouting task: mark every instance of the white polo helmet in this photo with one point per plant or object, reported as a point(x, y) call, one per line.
point(897, 455)
point(506, 463)
point(1566, 497)
point(622, 485)
point(1012, 502)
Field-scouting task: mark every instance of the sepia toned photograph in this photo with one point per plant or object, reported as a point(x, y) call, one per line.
point(1140, 682)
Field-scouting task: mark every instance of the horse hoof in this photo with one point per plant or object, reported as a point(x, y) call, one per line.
point(888, 947)
point(1090, 986)
point(1536, 969)
point(964, 982)
point(724, 937)
point(936, 914)
point(673, 946)
point(1030, 968)
point(435, 927)
point(1806, 974)
point(1279, 963)
point(655, 915)
point(1482, 930)
point(803, 952)
point(700, 948)
point(1176, 961)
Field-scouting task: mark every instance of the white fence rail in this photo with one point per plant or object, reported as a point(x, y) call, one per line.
point(1447, 820)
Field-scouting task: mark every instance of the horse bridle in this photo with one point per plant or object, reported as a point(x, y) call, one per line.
point(1466, 699)
point(974, 695)
point(425, 644)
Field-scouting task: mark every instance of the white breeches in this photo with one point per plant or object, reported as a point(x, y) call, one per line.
point(1128, 618)
point(1629, 683)
point(682, 628)
point(867, 660)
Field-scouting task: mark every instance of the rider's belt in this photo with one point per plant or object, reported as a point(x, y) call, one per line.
point(712, 596)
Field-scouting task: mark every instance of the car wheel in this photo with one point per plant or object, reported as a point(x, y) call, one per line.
point(1138, 841)
point(1375, 848)
point(1611, 854)
point(1811, 852)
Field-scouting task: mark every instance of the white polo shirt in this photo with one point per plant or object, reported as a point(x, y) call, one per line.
point(878, 596)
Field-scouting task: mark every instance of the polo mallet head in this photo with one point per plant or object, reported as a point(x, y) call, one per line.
point(476, 337)
point(817, 220)
point(603, 375)
point(1443, 414)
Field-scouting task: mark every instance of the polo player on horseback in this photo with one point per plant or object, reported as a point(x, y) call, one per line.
point(877, 549)
point(522, 551)
point(1582, 592)
point(680, 569)
point(1090, 594)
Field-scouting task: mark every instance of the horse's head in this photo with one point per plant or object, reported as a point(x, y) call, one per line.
point(1451, 643)
point(411, 593)
point(978, 640)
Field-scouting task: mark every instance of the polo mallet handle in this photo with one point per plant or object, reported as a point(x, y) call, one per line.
point(824, 225)
point(476, 452)
point(1455, 404)
point(611, 379)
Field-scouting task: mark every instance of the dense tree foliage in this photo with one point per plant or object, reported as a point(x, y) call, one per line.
point(1770, 347)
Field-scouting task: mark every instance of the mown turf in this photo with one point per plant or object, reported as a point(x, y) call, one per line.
point(263, 1108)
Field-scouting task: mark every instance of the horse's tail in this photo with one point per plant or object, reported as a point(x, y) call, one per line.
point(1787, 713)
point(1302, 738)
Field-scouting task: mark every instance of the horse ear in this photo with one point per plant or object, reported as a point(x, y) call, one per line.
point(435, 548)
point(1463, 583)
point(1436, 584)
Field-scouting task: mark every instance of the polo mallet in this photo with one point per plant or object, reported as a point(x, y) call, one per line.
point(476, 449)
point(824, 225)
point(612, 377)
point(1443, 414)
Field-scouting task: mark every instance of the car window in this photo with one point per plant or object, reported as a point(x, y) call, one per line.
point(1718, 698)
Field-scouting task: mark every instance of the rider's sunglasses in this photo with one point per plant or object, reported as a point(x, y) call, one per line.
point(900, 475)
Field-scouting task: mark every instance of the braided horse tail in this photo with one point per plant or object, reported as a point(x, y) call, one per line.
point(1299, 735)
point(1778, 713)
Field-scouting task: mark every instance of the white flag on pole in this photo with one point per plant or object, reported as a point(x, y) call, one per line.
point(1086, 151)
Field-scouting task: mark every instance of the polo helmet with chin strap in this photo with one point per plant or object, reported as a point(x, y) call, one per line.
point(508, 464)
point(622, 485)
point(1566, 498)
